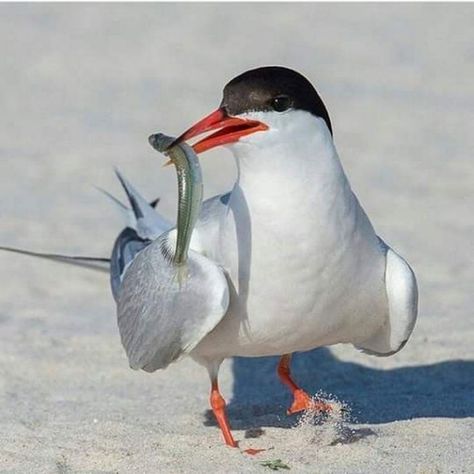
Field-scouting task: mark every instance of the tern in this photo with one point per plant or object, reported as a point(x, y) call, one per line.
point(287, 261)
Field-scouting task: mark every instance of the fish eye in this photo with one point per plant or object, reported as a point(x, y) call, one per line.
point(281, 103)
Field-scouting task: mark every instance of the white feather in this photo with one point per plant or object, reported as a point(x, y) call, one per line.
point(301, 254)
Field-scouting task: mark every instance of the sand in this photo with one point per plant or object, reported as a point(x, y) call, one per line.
point(81, 88)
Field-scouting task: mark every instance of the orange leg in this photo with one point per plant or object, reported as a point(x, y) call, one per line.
point(301, 400)
point(218, 407)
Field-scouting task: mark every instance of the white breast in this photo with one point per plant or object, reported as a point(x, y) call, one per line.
point(301, 254)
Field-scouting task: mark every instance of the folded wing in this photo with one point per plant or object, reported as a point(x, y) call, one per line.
point(163, 315)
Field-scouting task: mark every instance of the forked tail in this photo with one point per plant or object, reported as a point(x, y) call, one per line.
point(92, 263)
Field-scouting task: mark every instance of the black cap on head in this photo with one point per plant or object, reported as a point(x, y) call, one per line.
point(272, 88)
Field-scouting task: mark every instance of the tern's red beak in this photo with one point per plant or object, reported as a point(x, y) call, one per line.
point(229, 130)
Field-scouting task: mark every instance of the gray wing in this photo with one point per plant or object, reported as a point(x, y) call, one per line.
point(146, 225)
point(162, 316)
point(126, 247)
point(402, 297)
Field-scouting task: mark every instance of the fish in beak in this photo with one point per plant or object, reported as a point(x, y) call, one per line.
point(229, 130)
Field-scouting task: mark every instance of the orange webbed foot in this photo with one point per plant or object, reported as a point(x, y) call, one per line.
point(253, 451)
point(302, 401)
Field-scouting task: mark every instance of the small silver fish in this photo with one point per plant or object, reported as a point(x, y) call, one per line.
point(190, 190)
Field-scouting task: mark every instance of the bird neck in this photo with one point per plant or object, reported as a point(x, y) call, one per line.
point(295, 166)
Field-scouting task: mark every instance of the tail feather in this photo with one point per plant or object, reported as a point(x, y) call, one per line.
point(92, 263)
point(139, 205)
point(149, 224)
point(125, 212)
point(120, 204)
point(115, 200)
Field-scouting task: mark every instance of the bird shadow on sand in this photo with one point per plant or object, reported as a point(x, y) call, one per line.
point(444, 389)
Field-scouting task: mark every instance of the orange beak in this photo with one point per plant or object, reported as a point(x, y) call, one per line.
point(229, 130)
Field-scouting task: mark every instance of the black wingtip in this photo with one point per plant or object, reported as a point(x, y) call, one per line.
point(154, 203)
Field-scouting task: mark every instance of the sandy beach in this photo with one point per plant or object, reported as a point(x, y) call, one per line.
point(81, 88)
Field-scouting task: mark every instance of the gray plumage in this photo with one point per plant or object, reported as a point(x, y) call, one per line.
point(145, 225)
point(161, 315)
point(166, 307)
point(161, 318)
point(127, 245)
point(145, 220)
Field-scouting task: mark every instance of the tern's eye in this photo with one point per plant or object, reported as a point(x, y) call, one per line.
point(281, 103)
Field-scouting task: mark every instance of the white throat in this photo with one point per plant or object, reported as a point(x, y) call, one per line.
point(291, 196)
point(294, 161)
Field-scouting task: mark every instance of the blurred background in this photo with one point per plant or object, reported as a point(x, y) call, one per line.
point(83, 85)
